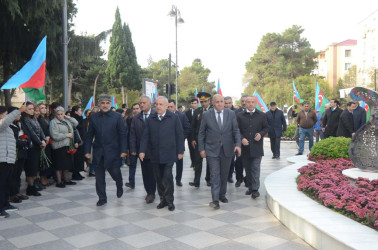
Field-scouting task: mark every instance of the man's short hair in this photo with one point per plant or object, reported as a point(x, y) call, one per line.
point(124, 105)
point(273, 104)
point(135, 104)
point(228, 98)
point(304, 103)
point(244, 96)
point(164, 98)
point(350, 104)
point(194, 100)
point(171, 100)
point(336, 101)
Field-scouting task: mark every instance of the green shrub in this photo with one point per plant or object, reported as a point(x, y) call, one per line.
point(290, 131)
point(332, 147)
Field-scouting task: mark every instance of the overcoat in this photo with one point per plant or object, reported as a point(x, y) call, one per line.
point(345, 127)
point(277, 123)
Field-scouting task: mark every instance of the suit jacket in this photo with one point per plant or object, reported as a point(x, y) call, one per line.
point(184, 123)
point(331, 121)
point(277, 123)
point(212, 139)
point(359, 118)
point(163, 139)
point(249, 126)
point(345, 127)
point(136, 131)
point(110, 138)
point(188, 114)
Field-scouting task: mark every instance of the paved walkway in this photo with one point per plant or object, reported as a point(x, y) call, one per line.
point(69, 219)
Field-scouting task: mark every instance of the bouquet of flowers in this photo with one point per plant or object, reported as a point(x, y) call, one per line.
point(71, 150)
point(45, 161)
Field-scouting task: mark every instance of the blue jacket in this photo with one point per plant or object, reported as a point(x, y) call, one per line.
point(317, 126)
point(136, 132)
point(359, 118)
point(277, 124)
point(163, 139)
point(186, 127)
point(110, 138)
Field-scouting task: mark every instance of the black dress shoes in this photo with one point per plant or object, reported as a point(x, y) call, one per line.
point(171, 207)
point(162, 204)
point(208, 183)
point(214, 204)
point(179, 183)
point(101, 203)
point(223, 199)
point(129, 185)
point(248, 192)
point(255, 194)
point(193, 184)
point(69, 183)
point(299, 154)
point(32, 191)
point(230, 180)
point(237, 184)
point(119, 192)
point(273, 157)
point(60, 185)
point(150, 198)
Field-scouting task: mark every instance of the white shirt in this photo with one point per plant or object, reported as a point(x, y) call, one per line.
point(253, 111)
point(221, 115)
point(161, 116)
point(148, 114)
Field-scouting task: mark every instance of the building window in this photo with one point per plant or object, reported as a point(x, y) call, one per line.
point(348, 53)
point(347, 66)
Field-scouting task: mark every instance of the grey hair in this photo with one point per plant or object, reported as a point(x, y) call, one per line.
point(59, 108)
point(164, 98)
point(244, 95)
point(228, 98)
point(216, 95)
point(147, 98)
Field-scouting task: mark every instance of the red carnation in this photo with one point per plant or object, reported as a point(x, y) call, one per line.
point(23, 137)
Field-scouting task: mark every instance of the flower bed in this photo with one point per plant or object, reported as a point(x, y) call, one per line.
point(330, 148)
point(324, 182)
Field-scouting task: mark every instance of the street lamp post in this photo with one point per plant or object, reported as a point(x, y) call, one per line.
point(177, 15)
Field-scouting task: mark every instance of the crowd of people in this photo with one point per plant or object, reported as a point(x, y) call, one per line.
point(53, 145)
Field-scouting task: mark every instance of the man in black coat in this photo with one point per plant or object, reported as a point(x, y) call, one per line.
point(253, 125)
point(138, 125)
point(331, 119)
point(196, 124)
point(186, 130)
point(345, 127)
point(109, 146)
point(359, 117)
point(163, 137)
point(277, 126)
point(189, 114)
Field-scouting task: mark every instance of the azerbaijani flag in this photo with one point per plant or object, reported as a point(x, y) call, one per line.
point(90, 105)
point(114, 102)
point(31, 77)
point(156, 94)
point(260, 103)
point(296, 94)
point(195, 95)
point(320, 100)
point(365, 106)
point(219, 90)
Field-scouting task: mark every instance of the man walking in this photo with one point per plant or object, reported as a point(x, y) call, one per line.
point(163, 137)
point(253, 126)
point(136, 131)
point(186, 130)
point(189, 114)
point(331, 119)
point(277, 126)
point(109, 146)
point(218, 139)
point(345, 127)
point(306, 120)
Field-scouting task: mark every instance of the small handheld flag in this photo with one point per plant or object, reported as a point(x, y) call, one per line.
point(114, 102)
point(90, 105)
point(219, 90)
point(260, 103)
point(365, 106)
point(296, 94)
point(195, 95)
point(320, 100)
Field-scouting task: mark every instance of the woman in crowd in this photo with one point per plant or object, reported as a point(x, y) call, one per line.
point(88, 113)
point(7, 157)
point(22, 146)
point(61, 131)
point(44, 122)
point(79, 133)
point(34, 131)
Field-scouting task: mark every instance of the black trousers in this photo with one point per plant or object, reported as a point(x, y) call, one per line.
point(275, 146)
point(78, 161)
point(197, 164)
point(239, 169)
point(164, 181)
point(115, 173)
point(5, 175)
point(149, 181)
point(232, 167)
point(15, 179)
point(179, 169)
point(252, 172)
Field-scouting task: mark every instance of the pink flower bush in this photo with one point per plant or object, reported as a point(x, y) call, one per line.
point(324, 182)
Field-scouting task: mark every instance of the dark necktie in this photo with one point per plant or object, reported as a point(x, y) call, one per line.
point(219, 120)
point(145, 117)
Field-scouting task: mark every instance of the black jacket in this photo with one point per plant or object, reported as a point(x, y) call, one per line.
point(196, 123)
point(136, 132)
point(276, 122)
point(331, 121)
point(22, 146)
point(163, 139)
point(359, 118)
point(249, 126)
point(184, 123)
point(345, 127)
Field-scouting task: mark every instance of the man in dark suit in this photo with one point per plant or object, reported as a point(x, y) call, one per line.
point(277, 126)
point(253, 126)
point(218, 140)
point(109, 146)
point(136, 131)
point(163, 137)
point(196, 123)
point(345, 127)
point(359, 116)
point(189, 114)
point(331, 119)
point(186, 130)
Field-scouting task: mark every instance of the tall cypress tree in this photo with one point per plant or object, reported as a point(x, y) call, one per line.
point(133, 74)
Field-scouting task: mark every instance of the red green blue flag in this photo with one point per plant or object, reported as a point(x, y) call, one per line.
point(31, 77)
point(296, 94)
point(365, 106)
point(260, 103)
point(89, 106)
point(219, 90)
point(156, 94)
point(114, 102)
point(195, 95)
point(320, 100)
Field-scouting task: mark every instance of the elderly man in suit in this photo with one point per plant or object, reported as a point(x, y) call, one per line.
point(277, 126)
point(253, 126)
point(186, 130)
point(163, 137)
point(218, 139)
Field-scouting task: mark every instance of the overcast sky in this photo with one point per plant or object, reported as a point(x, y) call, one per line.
point(223, 34)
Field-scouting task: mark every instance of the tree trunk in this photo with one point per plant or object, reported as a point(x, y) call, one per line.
point(94, 89)
point(127, 97)
point(70, 81)
point(123, 94)
point(6, 76)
